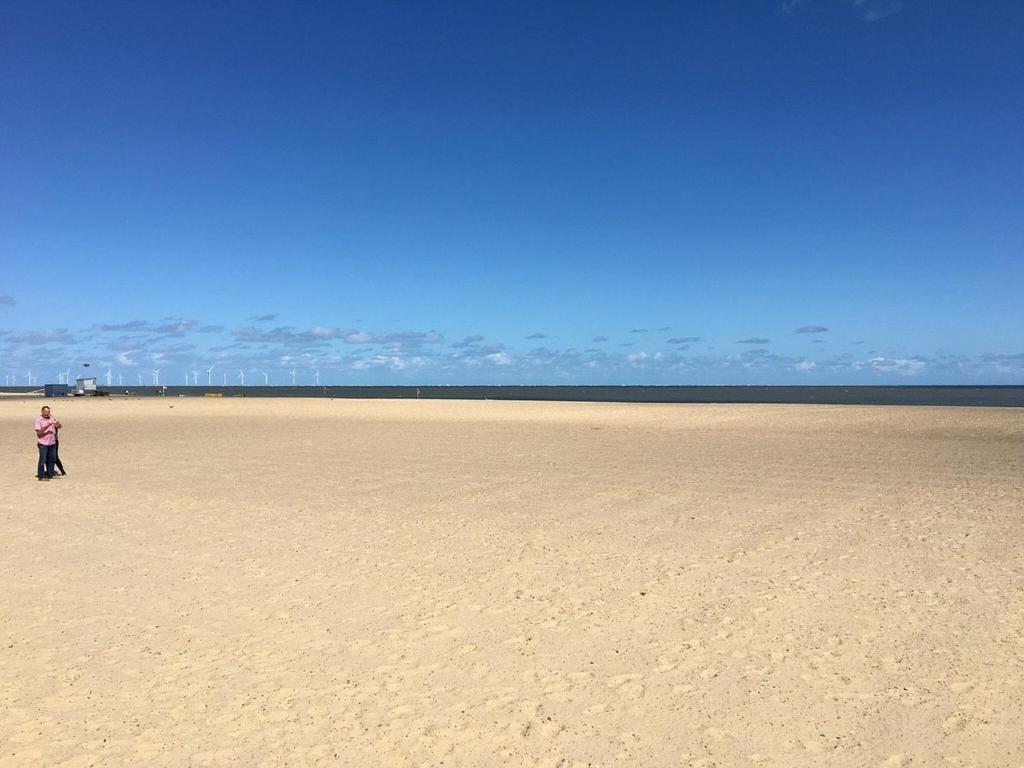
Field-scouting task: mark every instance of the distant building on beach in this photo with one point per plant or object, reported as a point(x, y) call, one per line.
point(85, 386)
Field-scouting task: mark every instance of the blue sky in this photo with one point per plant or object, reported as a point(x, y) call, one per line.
point(807, 191)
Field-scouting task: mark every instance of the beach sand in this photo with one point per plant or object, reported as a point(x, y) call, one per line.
point(232, 582)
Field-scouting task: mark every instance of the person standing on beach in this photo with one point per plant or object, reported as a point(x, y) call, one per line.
point(46, 440)
point(56, 450)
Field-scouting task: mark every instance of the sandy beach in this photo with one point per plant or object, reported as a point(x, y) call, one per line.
point(238, 582)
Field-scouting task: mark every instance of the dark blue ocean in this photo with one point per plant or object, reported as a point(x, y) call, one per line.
point(993, 396)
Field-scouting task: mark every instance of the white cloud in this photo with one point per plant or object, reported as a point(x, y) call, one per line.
point(36, 338)
point(390, 362)
point(903, 366)
point(883, 10)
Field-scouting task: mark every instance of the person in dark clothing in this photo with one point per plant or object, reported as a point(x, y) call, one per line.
point(56, 457)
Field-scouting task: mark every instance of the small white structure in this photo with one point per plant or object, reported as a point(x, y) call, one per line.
point(85, 386)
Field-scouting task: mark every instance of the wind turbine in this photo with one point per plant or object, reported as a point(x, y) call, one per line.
point(316, 373)
point(156, 377)
point(266, 378)
point(110, 377)
point(293, 377)
point(67, 376)
point(225, 378)
point(28, 375)
point(140, 378)
point(195, 378)
point(209, 376)
point(241, 377)
point(120, 381)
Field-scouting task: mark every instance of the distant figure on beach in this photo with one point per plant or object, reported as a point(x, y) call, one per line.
point(46, 440)
point(56, 450)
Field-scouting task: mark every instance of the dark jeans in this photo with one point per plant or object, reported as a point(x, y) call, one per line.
point(56, 457)
point(47, 456)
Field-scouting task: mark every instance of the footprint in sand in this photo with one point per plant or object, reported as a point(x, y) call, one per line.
point(628, 685)
point(896, 761)
point(954, 723)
